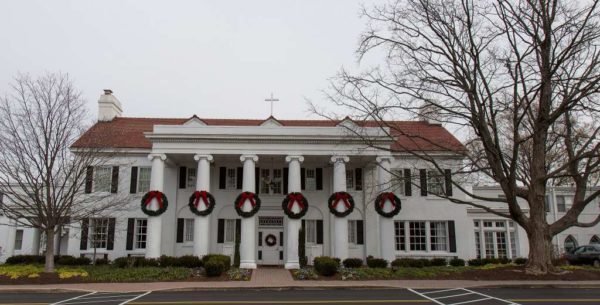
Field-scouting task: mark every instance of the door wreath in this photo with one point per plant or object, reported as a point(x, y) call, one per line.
point(270, 240)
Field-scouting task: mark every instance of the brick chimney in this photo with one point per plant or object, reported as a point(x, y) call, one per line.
point(109, 106)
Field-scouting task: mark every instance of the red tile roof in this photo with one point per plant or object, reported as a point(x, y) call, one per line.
point(128, 132)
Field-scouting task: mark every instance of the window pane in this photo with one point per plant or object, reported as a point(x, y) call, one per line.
point(144, 179)
point(19, 240)
point(418, 239)
point(435, 182)
point(513, 244)
point(102, 177)
point(501, 244)
point(311, 231)
point(229, 230)
point(349, 179)
point(191, 177)
point(439, 237)
point(98, 235)
point(398, 181)
point(560, 204)
point(141, 231)
point(231, 178)
point(276, 184)
point(189, 230)
point(478, 244)
point(352, 231)
point(400, 235)
point(311, 180)
point(489, 244)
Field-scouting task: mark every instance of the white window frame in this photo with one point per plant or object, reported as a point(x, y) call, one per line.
point(103, 226)
point(143, 181)
point(99, 175)
point(398, 181)
point(310, 179)
point(352, 232)
point(404, 238)
point(268, 174)
point(435, 182)
point(441, 233)
point(230, 180)
point(191, 176)
point(141, 236)
point(350, 179)
point(310, 231)
point(19, 239)
point(229, 231)
point(494, 230)
point(188, 230)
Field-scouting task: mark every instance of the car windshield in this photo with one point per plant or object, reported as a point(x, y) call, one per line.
point(579, 250)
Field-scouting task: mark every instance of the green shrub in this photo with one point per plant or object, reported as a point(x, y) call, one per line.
point(214, 267)
point(441, 262)
point(168, 261)
point(225, 259)
point(65, 260)
point(236, 252)
point(520, 261)
point(457, 262)
point(504, 260)
point(353, 263)
point(146, 262)
point(405, 263)
point(376, 262)
point(124, 262)
point(325, 265)
point(81, 261)
point(189, 261)
point(477, 262)
point(425, 262)
point(101, 261)
point(25, 259)
point(303, 260)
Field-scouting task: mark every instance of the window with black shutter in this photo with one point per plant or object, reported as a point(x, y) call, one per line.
point(133, 182)
point(114, 182)
point(423, 181)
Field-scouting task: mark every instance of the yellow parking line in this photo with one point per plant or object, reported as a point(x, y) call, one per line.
point(286, 302)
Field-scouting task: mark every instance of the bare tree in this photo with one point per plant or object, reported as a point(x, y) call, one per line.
point(518, 78)
point(42, 180)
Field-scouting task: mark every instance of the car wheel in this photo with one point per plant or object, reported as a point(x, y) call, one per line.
point(597, 263)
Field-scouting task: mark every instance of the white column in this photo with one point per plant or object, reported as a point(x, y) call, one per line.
point(248, 242)
point(386, 225)
point(35, 242)
point(10, 239)
point(340, 224)
point(157, 178)
point(202, 223)
point(293, 225)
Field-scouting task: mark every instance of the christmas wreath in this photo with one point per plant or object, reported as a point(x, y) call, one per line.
point(271, 240)
point(201, 197)
point(341, 198)
point(163, 203)
point(288, 203)
point(241, 199)
point(380, 202)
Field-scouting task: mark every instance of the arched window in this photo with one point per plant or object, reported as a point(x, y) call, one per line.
point(595, 240)
point(570, 243)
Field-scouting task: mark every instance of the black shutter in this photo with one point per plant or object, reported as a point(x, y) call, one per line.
point(452, 236)
point(220, 231)
point(89, 179)
point(180, 224)
point(240, 177)
point(286, 172)
point(85, 226)
point(319, 182)
point(423, 180)
point(360, 232)
point(134, 177)
point(303, 178)
point(280, 240)
point(130, 233)
point(182, 177)
point(110, 244)
point(238, 227)
point(319, 231)
point(448, 179)
point(260, 238)
point(256, 180)
point(114, 183)
point(407, 182)
point(222, 177)
point(358, 179)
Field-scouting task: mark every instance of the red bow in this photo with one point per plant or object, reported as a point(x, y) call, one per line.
point(341, 196)
point(203, 195)
point(295, 198)
point(152, 195)
point(246, 196)
point(387, 196)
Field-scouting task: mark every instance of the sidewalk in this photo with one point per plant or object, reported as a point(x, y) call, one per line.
point(265, 278)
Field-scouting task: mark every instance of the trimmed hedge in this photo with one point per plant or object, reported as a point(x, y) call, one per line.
point(457, 262)
point(26, 259)
point(68, 260)
point(353, 263)
point(216, 264)
point(520, 260)
point(325, 265)
point(485, 261)
point(373, 262)
point(188, 261)
point(440, 262)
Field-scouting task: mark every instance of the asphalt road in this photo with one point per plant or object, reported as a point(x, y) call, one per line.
point(491, 296)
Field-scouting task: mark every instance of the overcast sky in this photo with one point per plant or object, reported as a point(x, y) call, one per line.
point(179, 58)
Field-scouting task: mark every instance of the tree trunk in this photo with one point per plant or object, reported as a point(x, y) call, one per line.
point(49, 266)
point(540, 249)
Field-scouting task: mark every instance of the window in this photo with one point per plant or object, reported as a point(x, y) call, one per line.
point(570, 243)
point(435, 182)
point(19, 240)
point(595, 240)
point(1, 201)
point(144, 179)
point(188, 230)
point(501, 244)
point(141, 233)
point(349, 179)
point(398, 182)
point(311, 180)
point(439, 236)
point(547, 203)
point(563, 203)
point(418, 237)
point(98, 234)
point(311, 231)
point(102, 177)
point(478, 244)
point(270, 180)
point(513, 244)
point(191, 177)
point(276, 183)
point(400, 236)
point(231, 182)
point(352, 231)
point(265, 179)
point(229, 230)
point(490, 246)
point(488, 224)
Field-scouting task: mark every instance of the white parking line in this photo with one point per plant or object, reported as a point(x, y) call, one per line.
point(116, 298)
point(74, 298)
point(139, 296)
point(430, 295)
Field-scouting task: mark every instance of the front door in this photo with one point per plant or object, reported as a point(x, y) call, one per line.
point(270, 245)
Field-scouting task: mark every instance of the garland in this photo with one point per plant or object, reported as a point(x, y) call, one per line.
point(207, 199)
point(241, 199)
point(341, 198)
point(270, 240)
point(380, 202)
point(163, 203)
point(288, 203)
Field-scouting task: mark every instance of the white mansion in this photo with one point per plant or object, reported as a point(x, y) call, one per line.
point(238, 161)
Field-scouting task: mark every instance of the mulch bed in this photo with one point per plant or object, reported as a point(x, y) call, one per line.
point(52, 278)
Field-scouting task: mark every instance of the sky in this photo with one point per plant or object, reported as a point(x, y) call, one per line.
point(217, 59)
